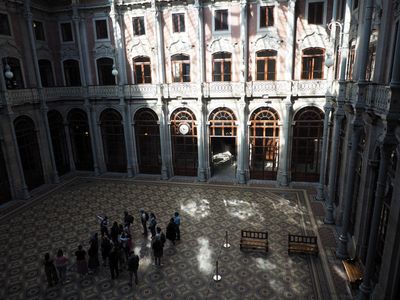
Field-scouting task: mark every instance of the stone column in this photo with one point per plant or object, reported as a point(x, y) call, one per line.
point(283, 172)
point(338, 117)
point(242, 136)
point(357, 126)
point(165, 158)
point(44, 125)
point(244, 39)
point(93, 140)
point(324, 153)
point(83, 63)
point(69, 146)
point(290, 35)
point(386, 150)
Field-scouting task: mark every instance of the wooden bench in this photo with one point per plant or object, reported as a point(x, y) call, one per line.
point(302, 244)
point(254, 240)
point(353, 271)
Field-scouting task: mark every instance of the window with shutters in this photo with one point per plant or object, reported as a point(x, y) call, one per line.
point(312, 66)
point(222, 64)
point(180, 68)
point(138, 26)
point(266, 65)
point(221, 20)
point(142, 70)
point(178, 22)
point(266, 16)
point(316, 13)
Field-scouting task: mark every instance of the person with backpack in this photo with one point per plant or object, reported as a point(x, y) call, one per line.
point(144, 217)
point(128, 220)
point(133, 266)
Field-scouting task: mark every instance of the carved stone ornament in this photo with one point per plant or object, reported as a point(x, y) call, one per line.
point(267, 41)
point(140, 48)
point(8, 48)
point(179, 46)
point(103, 50)
point(220, 44)
point(69, 53)
point(314, 39)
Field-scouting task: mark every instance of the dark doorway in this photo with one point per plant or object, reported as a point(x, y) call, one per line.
point(5, 194)
point(112, 132)
point(307, 144)
point(264, 144)
point(29, 151)
point(46, 73)
point(80, 139)
point(223, 130)
point(59, 142)
point(147, 133)
point(184, 142)
point(104, 71)
point(71, 73)
point(223, 153)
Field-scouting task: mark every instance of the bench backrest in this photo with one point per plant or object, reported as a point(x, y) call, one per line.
point(255, 234)
point(303, 239)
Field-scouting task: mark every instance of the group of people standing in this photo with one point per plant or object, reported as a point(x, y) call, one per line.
point(116, 248)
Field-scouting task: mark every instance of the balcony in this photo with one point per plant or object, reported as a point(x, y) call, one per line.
point(310, 87)
point(270, 88)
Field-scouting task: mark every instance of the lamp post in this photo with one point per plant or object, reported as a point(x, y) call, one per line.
point(114, 72)
point(8, 74)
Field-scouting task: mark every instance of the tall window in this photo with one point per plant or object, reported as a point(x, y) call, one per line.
point(180, 68)
point(38, 30)
point(352, 59)
point(16, 82)
point(355, 4)
point(266, 65)
point(142, 69)
point(312, 63)
point(315, 12)
point(4, 25)
point(138, 26)
point(221, 20)
point(266, 16)
point(104, 71)
point(46, 73)
point(71, 72)
point(371, 62)
point(222, 63)
point(101, 29)
point(178, 22)
point(66, 32)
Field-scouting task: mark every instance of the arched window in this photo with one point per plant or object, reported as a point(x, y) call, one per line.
point(223, 122)
point(180, 68)
point(222, 66)
point(307, 143)
point(80, 139)
point(142, 70)
point(59, 142)
point(184, 142)
point(147, 133)
point(113, 141)
point(266, 65)
point(264, 144)
point(72, 74)
point(16, 81)
point(46, 73)
point(312, 66)
point(104, 71)
point(5, 194)
point(29, 153)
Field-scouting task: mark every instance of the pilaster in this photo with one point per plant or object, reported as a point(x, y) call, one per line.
point(93, 134)
point(283, 172)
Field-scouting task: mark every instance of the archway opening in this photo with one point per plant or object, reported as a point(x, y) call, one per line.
point(223, 153)
point(184, 142)
point(147, 133)
point(264, 144)
point(59, 142)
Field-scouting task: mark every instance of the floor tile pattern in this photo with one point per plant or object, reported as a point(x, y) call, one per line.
point(66, 217)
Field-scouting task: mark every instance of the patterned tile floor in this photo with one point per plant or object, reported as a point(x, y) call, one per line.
point(65, 217)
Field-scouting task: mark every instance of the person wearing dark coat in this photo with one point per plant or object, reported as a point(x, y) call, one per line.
point(128, 220)
point(158, 247)
point(133, 266)
point(114, 233)
point(50, 270)
point(105, 249)
point(171, 231)
point(113, 257)
point(152, 225)
point(81, 263)
point(93, 252)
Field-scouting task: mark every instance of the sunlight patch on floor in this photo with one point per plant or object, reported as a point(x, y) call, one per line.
point(242, 209)
point(198, 209)
point(264, 264)
point(204, 256)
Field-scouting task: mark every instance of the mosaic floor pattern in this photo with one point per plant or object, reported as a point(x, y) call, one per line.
point(67, 217)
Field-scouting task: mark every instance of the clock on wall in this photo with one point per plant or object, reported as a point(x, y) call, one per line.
point(184, 129)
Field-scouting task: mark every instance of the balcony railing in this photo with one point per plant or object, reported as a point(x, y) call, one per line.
point(378, 97)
